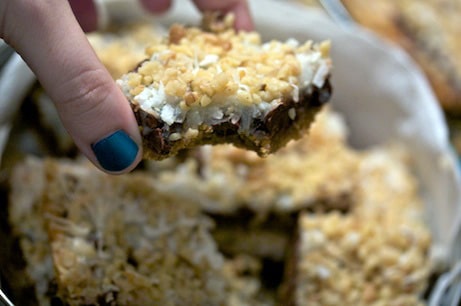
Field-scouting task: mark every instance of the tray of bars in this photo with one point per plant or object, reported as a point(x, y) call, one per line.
point(360, 208)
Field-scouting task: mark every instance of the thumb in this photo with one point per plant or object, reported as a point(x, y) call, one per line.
point(91, 106)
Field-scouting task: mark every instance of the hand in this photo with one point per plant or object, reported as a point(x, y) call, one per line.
point(47, 34)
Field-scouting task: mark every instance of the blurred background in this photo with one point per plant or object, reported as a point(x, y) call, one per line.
point(428, 30)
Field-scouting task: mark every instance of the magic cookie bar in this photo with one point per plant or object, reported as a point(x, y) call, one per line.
point(92, 239)
point(199, 87)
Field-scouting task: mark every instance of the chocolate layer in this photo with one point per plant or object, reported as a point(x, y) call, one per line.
point(265, 135)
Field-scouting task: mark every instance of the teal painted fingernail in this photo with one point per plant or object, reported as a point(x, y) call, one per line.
point(116, 152)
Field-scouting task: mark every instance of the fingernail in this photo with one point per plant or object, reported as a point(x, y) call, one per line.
point(116, 152)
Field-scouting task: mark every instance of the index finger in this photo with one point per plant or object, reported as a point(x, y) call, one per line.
point(90, 104)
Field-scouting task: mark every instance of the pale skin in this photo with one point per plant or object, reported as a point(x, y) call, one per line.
point(50, 38)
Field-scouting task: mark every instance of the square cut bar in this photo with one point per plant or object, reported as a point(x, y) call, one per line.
point(199, 87)
point(316, 172)
point(92, 239)
point(376, 254)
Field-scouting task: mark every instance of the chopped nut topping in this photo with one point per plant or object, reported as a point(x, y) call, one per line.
point(226, 63)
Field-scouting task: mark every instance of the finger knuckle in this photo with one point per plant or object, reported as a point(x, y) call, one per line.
point(88, 93)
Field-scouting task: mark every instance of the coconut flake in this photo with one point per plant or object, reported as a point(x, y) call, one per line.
point(175, 136)
point(320, 75)
point(209, 60)
point(292, 42)
point(151, 99)
point(292, 113)
point(295, 91)
point(307, 62)
point(167, 114)
point(217, 114)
